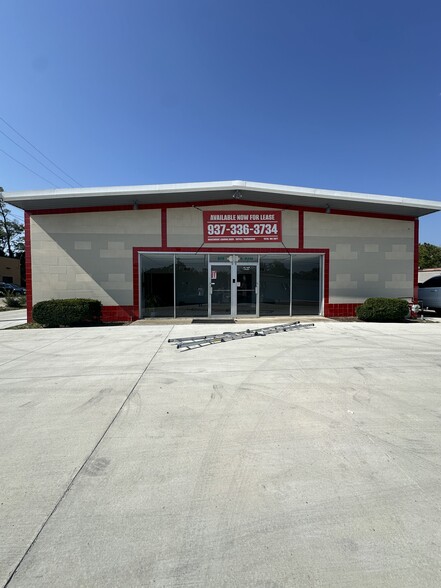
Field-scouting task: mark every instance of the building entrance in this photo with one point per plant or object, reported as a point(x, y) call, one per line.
point(233, 289)
point(224, 284)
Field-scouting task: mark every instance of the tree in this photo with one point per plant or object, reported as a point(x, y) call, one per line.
point(11, 234)
point(429, 256)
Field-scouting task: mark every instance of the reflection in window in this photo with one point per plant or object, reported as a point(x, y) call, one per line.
point(288, 285)
point(157, 285)
point(275, 285)
point(305, 284)
point(191, 285)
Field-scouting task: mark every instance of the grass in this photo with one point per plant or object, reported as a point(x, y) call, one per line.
point(25, 326)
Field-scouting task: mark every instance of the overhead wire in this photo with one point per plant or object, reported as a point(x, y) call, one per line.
point(15, 216)
point(40, 152)
point(36, 159)
point(28, 168)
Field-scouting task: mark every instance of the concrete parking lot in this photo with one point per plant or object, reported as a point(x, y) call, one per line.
point(307, 458)
point(12, 318)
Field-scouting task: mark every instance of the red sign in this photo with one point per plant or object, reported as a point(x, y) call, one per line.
point(245, 226)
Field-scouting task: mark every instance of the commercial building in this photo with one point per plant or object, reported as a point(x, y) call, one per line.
point(10, 270)
point(220, 248)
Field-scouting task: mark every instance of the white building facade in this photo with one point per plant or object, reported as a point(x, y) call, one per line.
point(220, 249)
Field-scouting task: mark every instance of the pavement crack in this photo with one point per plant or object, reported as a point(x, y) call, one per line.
point(88, 458)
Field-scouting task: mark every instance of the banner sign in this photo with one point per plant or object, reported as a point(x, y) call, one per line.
point(250, 226)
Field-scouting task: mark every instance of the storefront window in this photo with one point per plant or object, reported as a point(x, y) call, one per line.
point(177, 285)
point(157, 274)
point(305, 284)
point(191, 285)
point(275, 271)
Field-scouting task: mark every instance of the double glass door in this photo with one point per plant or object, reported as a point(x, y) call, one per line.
point(233, 289)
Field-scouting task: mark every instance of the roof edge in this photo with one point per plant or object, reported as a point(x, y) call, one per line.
point(157, 189)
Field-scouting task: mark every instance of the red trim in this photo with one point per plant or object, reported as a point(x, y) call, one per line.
point(339, 310)
point(218, 203)
point(135, 265)
point(28, 266)
point(125, 313)
point(301, 228)
point(415, 260)
point(222, 249)
point(85, 209)
point(164, 227)
point(325, 279)
point(369, 215)
point(137, 250)
point(117, 314)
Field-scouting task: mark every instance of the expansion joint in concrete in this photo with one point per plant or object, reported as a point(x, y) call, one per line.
point(85, 462)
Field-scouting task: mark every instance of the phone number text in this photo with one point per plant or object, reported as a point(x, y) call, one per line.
point(242, 229)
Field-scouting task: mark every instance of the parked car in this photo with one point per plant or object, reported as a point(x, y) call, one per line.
point(430, 294)
point(6, 288)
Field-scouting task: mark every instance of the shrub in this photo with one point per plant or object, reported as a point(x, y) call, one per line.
point(383, 310)
point(12, 301)
point(67, 312)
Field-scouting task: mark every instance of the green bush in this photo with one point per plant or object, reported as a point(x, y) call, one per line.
point(383, 310)
point(12, 301)
point(67, 312)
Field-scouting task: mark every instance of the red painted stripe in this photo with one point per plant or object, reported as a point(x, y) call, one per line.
point(72, 210)
point(301, 228)
point(371, 215)
point(229, 250)
point(135, 283)
point(219, 203)
point(326, 277)
point(164, 227)
point(28, 266)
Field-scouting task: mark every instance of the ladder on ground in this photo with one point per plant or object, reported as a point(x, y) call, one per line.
point(187, 343)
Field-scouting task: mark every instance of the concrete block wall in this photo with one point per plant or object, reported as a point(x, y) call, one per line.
point(89, 254)
point(368, 256)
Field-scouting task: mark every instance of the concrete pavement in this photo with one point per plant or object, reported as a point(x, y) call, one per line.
point(12, 318)
point(308, 458)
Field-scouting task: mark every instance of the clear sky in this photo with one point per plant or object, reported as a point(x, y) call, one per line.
point(337, 94)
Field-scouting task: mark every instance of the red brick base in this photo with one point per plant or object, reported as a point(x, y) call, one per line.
point(115, 314)
point(118, 314)
point(334, 310)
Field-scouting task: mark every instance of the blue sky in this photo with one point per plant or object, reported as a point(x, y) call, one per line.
point(342, 95)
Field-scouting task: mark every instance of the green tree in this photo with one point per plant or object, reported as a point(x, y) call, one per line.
point(11, 234)
point(429, 255)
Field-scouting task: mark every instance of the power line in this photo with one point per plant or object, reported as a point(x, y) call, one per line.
point(29, 169)
point(36, 159)
point(40, 152)
point(15, 216)
point(10, 213)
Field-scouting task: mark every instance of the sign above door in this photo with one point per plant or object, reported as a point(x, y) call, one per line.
point(249, 226)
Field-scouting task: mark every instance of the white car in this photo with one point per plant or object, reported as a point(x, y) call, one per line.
point(429, 293)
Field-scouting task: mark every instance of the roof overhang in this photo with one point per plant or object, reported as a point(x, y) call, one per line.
point(236, 191)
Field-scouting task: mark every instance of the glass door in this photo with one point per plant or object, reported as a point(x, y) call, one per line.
point(246, 289)
point(220, 289)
